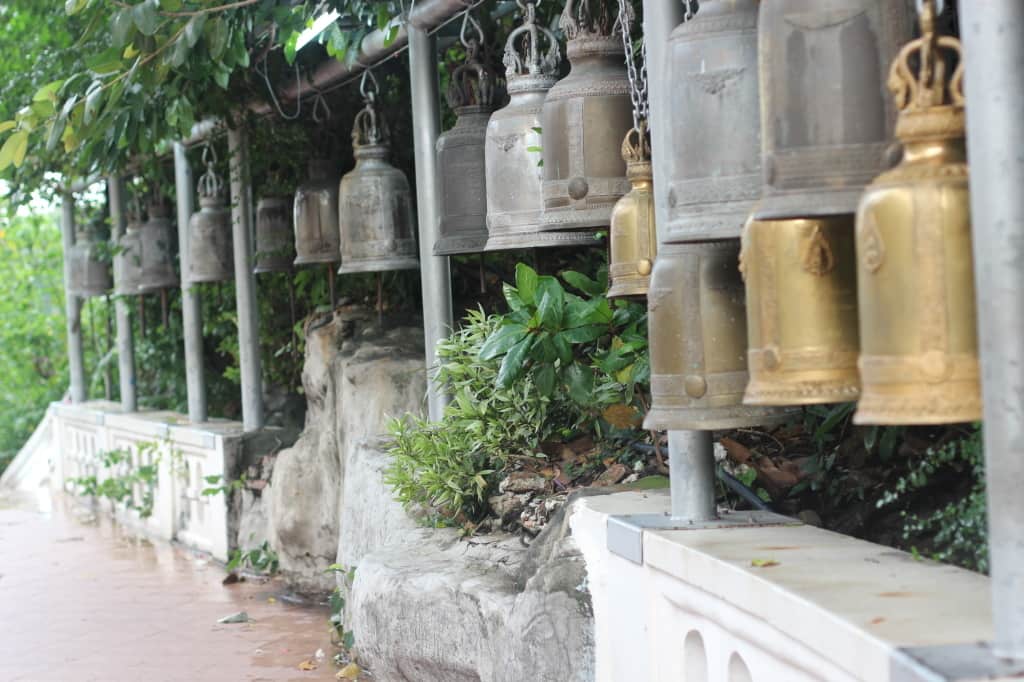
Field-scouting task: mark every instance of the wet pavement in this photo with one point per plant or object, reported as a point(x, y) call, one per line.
point(81, 601)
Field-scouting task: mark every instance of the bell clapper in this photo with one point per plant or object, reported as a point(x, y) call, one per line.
point(142, 316)
point(164, 313)
point(483, 281)
point(380, 299)
point(331, 285)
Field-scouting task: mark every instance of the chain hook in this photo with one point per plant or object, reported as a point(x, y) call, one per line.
point(369, 95)
point(471, 44)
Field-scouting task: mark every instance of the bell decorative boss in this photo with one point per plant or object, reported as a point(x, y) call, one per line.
point(316, 215)
point(585, 117)
point(915, 276)
point(89, 275)
point(512, 148)
point(801, 311)
point(633, 239)
point(210, 241)
point(375, 203)
point(699, 341)
point(145, 263)
point(460, 153)
point(826, 123)
point(714, 152)
point(275, 239)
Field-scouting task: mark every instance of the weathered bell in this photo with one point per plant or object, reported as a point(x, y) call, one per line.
point(460, 155)
point(633, 238)
point(210, 242)
point(89, 274)
point(698, 341)
point(316, 215)
point(915, 278)
point(826, 121)
point(585, 117)
point(801, 311)
point(714, 151)
point(145, 263)
point(512, 149)
point(275, 239)
point(375, 203)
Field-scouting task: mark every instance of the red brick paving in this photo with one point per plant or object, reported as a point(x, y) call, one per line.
point(85, 602)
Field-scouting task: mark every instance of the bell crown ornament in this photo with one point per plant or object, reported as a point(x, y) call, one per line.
point(528, 66)
point(473, 83)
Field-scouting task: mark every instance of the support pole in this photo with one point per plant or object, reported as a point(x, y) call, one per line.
point(992, 33)
point(191, 312)
point(691, 462)
point(435, 271)
point(123, 315)
point(72, 304)
point(245, 281)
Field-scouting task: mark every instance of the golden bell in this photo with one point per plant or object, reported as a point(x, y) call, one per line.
point(914, 267)
point(633, 240)
point(801, 311)
point(698, 341)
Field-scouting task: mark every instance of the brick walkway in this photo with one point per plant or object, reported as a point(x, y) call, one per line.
point(81, 602)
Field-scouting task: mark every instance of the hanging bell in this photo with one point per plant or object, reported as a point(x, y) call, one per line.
point(275, 239)
point(512, 149)
point(316, 215)
point(633, 238)
point(698, 341)
point(145, 263)
point(584, 118)
point(801, 311)
point(460, 153)
point(375, 203)
point(714, 153)
point(210, 242)
point(827, 125)
point(89, 275)
point(915, 275)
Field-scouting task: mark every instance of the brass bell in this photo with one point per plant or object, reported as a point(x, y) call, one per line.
point(915, 275)
point(210, 241)
point(89, 275)
point(145, 263)
point(714, 152)
point(512, 149)
point(460, 153)
point(316, 215)
point(633, 239)
point(826, 123)
point(698, 341)
point(585, 116)
point(375, 202)
point(275, 239)
point(801, 311)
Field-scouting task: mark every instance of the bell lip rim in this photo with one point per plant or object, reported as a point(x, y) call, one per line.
point(257, 270)
point(667, 418)
point(869, 418)
point(472, 243)
point(628, 291)
point(90, 293)
point(208, 279)
point(496, 242)
point(314, 260)
point(757, 398)
point(367, 266)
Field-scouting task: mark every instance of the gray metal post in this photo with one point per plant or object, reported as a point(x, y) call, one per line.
point(123, 315)
point(992, 33)
point(435, 271)
point(72, 304)
point(691, 458)
point(191, 310)
point(245, 282)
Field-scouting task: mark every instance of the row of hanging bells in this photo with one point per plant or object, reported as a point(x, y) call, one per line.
point(144, 262)
point(89, 275)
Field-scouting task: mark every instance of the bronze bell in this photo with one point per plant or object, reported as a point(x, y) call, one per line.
point(89, 275)
point(375, 203)
point(275, 239)
point(714, 157)
point(699, 341)
point(827, 125)
point(316, 215)
point(512, 148)
point(801, 311)
point(145, 262)
point(460, 153)
point(633, 239)
point(585, 116)
point(210, 241)
point(915, 275)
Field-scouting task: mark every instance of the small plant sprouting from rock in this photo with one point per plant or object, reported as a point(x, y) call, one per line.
point(342, 637)
point(262, 559)
point(217, 484)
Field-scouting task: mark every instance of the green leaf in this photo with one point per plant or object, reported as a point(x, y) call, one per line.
point(194, 29)
point(563, 348)
point(216, 37)
point(48, 92)
point(580, 281)
point(7, 125)
point(550, 308)
point(502, 340)
point(146, 17)
point(121, 27)
point(545, 380)
point(512, 297)
point(14, 149)
point(580, 382)
point(291, 47)
point(585, 334)
point(512, 364)
point(72, 7)
point(526, 283)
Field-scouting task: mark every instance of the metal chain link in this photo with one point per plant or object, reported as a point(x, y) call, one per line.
point(637, 79)
point(688, 9)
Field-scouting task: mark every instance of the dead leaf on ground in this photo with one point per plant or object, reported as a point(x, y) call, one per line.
point(763, 563)
point(582, 444)
point(232, 578)
point(739, 452)
point(307, 665)
point(621, 416)
point(349, 672)
point(613, 475)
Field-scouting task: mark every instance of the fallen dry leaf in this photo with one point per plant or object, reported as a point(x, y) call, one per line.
point(349, 672)
point(307, 665)
point(613, 475)
point(763, 563)
point(737, 451)
point(621, 416)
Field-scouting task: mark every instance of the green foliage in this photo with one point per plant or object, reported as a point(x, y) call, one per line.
point(122, 483)
point(262, 559)
point(218, 485)
point(346, 638)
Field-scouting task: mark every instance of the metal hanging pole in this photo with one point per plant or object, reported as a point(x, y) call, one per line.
point(191, 310)
point(245, 281)
point(994, 81)
point(435, 271)
point(72, 304)
point(122, 313)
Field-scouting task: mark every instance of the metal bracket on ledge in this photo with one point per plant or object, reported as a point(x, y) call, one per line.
point(952, 663)
point(626, 532)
